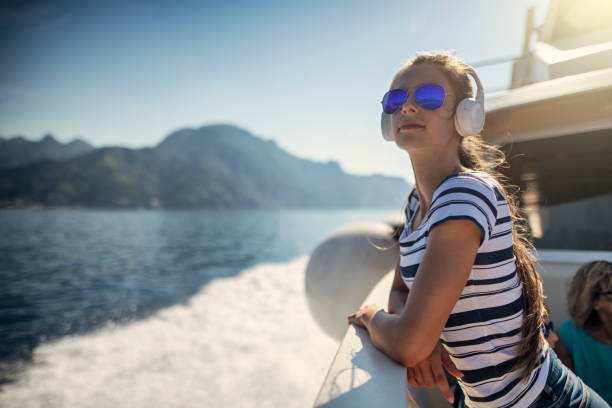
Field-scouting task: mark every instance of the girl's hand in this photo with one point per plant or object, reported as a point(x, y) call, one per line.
point(429, 372)
point(364, 315)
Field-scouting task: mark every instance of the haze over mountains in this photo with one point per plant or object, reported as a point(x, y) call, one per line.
point(19, 151)
point(216, 166)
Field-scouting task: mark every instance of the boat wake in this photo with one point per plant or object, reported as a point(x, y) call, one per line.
point(241, 341)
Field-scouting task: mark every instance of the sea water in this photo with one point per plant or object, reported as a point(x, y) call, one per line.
point(161, 308)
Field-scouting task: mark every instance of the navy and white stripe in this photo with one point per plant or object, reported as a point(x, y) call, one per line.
point(483, 331)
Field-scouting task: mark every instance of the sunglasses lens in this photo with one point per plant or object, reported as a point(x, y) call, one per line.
point(393, 100)
point(429, 96)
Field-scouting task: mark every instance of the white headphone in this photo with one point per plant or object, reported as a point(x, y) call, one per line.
point(469, 116)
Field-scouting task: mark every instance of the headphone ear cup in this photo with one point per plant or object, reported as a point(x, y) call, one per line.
point(469, 117)
point(386, 128)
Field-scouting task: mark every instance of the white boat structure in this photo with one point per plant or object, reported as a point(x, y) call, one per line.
point(555, 124)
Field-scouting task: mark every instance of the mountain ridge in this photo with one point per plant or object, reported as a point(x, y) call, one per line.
point(214, 166)
point(18, 151)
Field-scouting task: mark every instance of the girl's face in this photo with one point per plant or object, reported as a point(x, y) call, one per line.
point(437, 127)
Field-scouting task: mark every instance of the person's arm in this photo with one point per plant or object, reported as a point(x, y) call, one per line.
point(411, 336)
point(399, 292)
point(429, 372)
point(564, 354)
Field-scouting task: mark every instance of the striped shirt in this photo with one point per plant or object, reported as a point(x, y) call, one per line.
point(483, 331)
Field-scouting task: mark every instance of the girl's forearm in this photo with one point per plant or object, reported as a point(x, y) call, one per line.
point(383, 333)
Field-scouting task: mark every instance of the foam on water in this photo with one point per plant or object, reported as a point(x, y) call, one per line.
point(240, 342)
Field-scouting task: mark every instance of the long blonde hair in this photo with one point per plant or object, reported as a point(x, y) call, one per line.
point(476, 154)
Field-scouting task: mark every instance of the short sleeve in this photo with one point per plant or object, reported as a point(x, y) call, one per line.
point(465, 197)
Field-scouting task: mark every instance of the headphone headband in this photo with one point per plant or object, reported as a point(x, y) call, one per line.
point(479, 87)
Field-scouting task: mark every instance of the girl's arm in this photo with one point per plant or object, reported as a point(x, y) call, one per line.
point(410, 337)
point(399, 292)
point(429, 372)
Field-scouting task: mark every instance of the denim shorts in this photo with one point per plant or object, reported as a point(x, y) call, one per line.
point(565, 389)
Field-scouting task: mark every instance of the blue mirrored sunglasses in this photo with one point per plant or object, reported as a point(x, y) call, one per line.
point(429, 96)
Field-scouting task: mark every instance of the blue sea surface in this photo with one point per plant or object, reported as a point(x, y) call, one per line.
point(71, 271)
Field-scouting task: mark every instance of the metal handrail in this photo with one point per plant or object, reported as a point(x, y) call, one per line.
point(495, 61)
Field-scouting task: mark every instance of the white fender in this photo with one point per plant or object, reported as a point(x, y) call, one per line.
point(361, 376)
point(344, 268)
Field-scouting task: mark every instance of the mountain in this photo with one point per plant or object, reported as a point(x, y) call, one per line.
point(218, 166)
point(19, 151)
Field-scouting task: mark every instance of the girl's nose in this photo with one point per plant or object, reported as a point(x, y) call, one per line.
point(409, 106)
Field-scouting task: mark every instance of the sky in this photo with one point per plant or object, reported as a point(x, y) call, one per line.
point(308, 74)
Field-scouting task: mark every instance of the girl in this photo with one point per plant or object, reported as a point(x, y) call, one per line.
point(466, 294)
